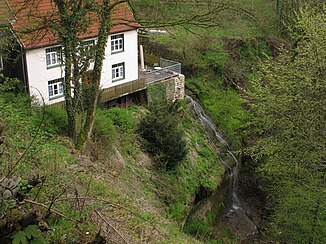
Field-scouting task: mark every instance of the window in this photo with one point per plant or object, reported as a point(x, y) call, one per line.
point(117, 44)
point(89, 43)
point(87, 48)
point(1, 63)
point(53, 56)
point(118, 71)
point(55, 88)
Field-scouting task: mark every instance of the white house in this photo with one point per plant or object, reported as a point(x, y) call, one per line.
point(42, 68)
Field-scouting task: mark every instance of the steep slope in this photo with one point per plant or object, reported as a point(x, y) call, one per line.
point(114, 190)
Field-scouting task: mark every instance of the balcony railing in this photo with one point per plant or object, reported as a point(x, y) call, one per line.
point(167, 69)
point(123, 89)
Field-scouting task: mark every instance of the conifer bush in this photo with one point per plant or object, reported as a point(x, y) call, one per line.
point(162, 137)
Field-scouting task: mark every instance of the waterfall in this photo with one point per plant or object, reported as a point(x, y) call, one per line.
point(235, 210)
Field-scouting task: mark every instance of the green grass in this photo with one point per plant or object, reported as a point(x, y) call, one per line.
point(200, 168)
point(121, 174)
point(224, 105)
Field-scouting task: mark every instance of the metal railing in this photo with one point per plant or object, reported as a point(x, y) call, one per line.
point(171, 65)
point(167, 69)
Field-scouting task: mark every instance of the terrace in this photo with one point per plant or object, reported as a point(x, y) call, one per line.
point(164, 70)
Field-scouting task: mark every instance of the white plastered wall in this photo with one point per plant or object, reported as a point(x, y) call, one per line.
point(39, 74)
point(129, 56)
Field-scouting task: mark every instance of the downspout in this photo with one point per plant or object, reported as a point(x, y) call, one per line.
point(23, 63)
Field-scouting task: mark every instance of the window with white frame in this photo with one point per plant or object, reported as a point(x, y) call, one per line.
point(55, 88)
point(88, 49)
point(89, 43)
point(53, 56)
point(118, 71)
point(117, 43)
point(1, 63)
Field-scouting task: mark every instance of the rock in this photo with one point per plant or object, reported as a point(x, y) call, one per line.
point(7, 194)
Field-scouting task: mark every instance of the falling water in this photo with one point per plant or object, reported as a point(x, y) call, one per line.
point(235, 209)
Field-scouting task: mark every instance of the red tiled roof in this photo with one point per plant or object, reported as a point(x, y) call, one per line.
point(33, 15)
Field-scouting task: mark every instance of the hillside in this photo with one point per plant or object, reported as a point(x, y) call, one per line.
point(262, 85)
point(114, 188)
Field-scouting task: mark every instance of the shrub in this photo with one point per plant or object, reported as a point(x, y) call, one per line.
point(162, 137)
point(123, 118)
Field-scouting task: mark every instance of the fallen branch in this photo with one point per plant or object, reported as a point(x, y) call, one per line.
point(115, 205)
point(52, 210)
point(115, 230)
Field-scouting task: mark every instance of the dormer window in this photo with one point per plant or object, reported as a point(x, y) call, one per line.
point(53, 56)
point(117, 43)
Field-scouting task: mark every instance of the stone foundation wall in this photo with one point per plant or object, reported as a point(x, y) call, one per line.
point(175, 88)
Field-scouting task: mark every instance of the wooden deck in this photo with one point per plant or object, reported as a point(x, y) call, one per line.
point(123, 89)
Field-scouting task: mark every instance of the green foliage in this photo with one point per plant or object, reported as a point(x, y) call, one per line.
point(289, 106)
point(122, 118)
point(103, 126)
point(287, 10)
point(224, 105)
point(12, 85)
point(48, 155)
point(198, 228)
point(162, 137)
point(201, 168)
point(202, 228)
point(53, 156)
point(156, 92)
point(56, 119)
point(31, 234)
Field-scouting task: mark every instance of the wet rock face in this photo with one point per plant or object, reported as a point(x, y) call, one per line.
point(240, 223)
point(238, 201)
point(247, 221)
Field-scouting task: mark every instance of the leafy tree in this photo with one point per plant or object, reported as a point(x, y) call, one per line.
point(290, 108)
point(286, 9)
point(162, 137)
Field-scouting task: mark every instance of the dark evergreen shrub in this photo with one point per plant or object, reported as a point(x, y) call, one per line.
point(162, 137)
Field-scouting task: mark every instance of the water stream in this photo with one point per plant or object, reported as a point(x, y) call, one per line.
point(236, 214)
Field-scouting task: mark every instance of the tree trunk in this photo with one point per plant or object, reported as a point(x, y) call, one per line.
point(104, 32)
point(71, 123)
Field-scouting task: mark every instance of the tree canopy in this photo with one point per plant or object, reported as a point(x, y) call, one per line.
point(290, 119)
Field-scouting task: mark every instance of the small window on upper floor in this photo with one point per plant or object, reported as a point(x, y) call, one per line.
point(1, 63)
point(87, 48)
point(53, 56)
point(117, 43)
point(89, 43)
